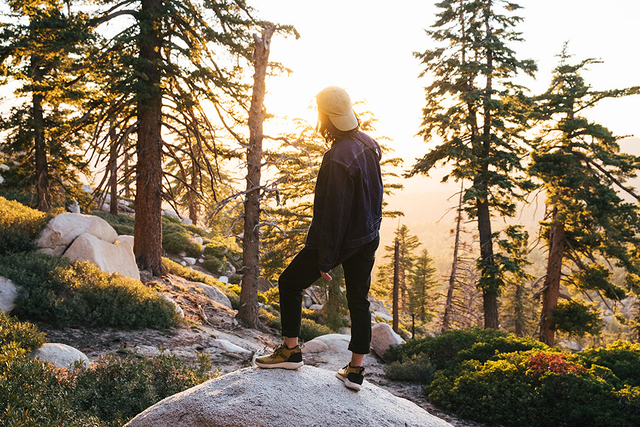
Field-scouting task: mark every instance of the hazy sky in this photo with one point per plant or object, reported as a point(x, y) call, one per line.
point(367, 47)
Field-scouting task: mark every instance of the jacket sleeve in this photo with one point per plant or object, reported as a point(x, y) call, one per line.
point(336, 201)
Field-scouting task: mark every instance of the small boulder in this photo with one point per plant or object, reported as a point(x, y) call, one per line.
point(63, 229)
point(214, 294)
point(329, 342)
point(60, 355)
point(383, 338)
point(189, 260)
point(8, 294)
point(109, 257)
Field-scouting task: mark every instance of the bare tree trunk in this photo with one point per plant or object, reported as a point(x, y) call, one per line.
point(448, 305)
point(248, 310)
point(148, 221)
point(551, 286)
point(43, 185)
point(396, 283)
point(113, 172)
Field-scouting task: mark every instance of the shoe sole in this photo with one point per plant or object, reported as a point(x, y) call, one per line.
point(282, 365)
point(349, 384)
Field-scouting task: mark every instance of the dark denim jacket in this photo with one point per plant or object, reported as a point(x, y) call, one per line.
point(347, 208)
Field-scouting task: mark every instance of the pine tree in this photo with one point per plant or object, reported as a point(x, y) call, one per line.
point(422, 281)
point(588, 224)
point(40, 48)
point(470, 108)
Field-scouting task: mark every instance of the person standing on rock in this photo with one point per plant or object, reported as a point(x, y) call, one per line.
point(347, 211)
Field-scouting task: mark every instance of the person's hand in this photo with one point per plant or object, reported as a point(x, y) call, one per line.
point(326, 275)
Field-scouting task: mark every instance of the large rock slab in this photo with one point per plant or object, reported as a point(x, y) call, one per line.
point(8, 294)
point(109, 257)
point(61, 355)
point(278, 397)
point(63, 229)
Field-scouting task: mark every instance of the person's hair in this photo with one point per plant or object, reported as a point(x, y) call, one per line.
point(331, 133)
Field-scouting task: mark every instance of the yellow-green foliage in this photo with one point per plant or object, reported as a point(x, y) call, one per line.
point(19, 226)
point(62, 292)
point(196, 276)
point(109, 393)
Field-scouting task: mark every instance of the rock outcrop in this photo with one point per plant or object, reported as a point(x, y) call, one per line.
point(277, 397)
point(63, 229)
point(109, 257)
point(89, 238)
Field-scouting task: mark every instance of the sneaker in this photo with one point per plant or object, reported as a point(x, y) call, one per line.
point(352, 376)
point(283, 357)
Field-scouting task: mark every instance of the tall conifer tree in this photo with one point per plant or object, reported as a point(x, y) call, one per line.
point(41, 48)
point(589, 224)
point(469, 110)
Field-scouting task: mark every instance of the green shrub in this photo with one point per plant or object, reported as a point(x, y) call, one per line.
point(530, 389)
point(61, 292)
point(117, 389)
point(310, 329)
point(24, 334)
point(213, 265)
point(452, 347)
point(122, 223)
point(197, 276)
point(416, 368)
point(33, 393)
point(19, 226)
point(621, 357)
point(109, 393)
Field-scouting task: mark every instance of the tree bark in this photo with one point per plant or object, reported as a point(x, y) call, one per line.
point(248, 310)
point(43, 185)
point(148, 221)
point(490, 289)
point(551, 287)
point(113, 172)
point(396, 283)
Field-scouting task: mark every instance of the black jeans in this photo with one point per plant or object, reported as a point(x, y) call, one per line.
point(303, 271)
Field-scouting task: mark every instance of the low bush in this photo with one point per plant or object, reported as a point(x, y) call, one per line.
point(19, 226)
point(452, 347)
point(197, 276)
point(213, 265)
point(116, 389)
point(621, 357)
point(122, 223)
point(109, 393)
point(62, 292)
point(532, 388)
point(310, 329)
point(24, 334)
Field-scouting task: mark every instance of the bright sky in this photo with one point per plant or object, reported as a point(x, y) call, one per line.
point(366, 47)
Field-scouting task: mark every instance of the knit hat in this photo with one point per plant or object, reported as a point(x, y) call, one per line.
point(336, 104)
